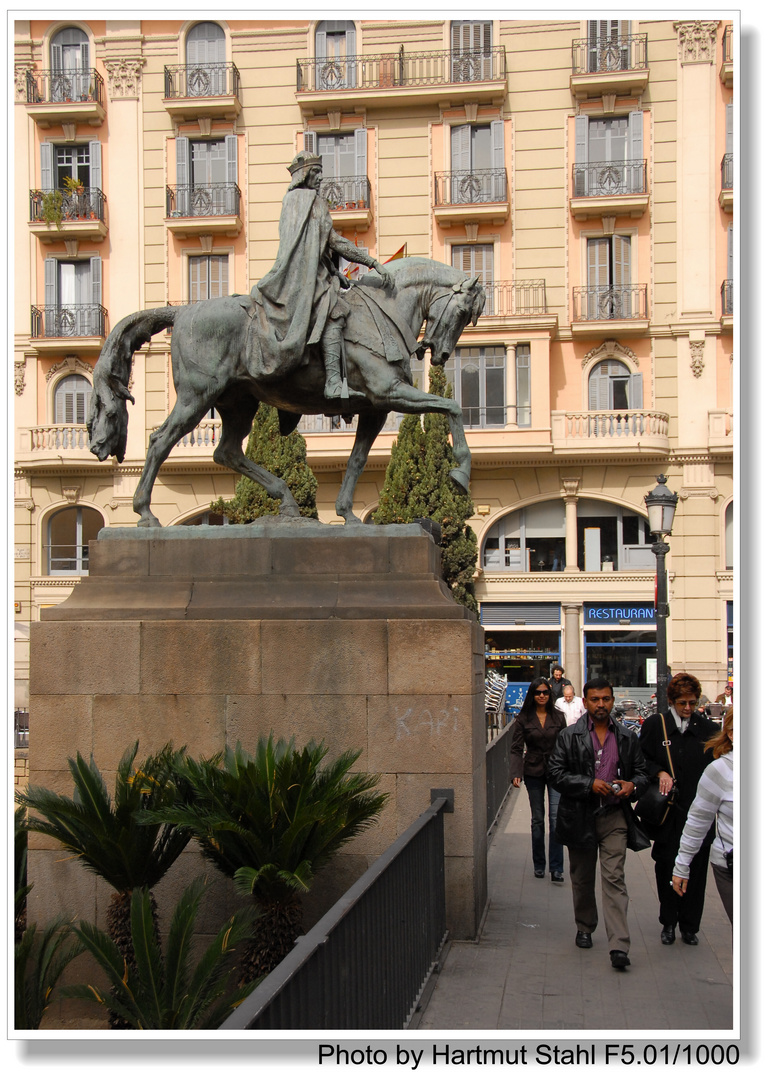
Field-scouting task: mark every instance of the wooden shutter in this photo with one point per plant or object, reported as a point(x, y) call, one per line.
point(636, 149)
point(182, 175)
point(349, 48)
point(598, 391)
point(57, 59)
point(320, 42)
point(621, 260)
point(729, 128)
point(310, 141)
point(635, 391)
point(499, 180)
point(46, 167)
point(361, 152)
point(94, 153)
point(460, 148)
point(598, 263)
point(51, 281)
point(94, 318)
point(730, 252)
point(580, 154)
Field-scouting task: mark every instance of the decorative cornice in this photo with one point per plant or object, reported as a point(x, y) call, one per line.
point(72, 364)
point(697, 348)
point(610, 350)
point(19, 372)
point(123, 77)
point(698, 493)
point(696, 41)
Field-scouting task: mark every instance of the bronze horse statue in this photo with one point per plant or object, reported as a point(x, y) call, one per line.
point(212, 368)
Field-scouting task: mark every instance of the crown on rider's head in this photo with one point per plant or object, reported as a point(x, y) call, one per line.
point(303, 160)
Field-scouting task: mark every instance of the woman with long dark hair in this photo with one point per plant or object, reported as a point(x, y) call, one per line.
point(674, 746)
point(534, 733)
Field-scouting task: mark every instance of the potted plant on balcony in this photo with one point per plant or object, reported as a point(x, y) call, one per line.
point(51, 205)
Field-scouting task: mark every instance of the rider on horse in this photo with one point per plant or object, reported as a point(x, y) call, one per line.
point(300, 300)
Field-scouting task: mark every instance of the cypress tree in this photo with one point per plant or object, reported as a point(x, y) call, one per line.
point(283, 456)
point(417, 484)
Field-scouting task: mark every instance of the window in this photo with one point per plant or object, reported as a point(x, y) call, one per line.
point(209, 277)
point(59, 163)
point(608, 278)
point(471, 56)
point(729, 537)
point(523, 385)
point(478, 163)
point(477, 260)
point(608, 44)
point(334, 55)
point(608, 155)
point(70, 531)
point(611, 385)
point(478, 377)
point(73, 298)
point(70, 75)
point(208, 517)
point(206, 177)
point(611, 534)
point(71, 400)
point(206, 54)
point(345, 171)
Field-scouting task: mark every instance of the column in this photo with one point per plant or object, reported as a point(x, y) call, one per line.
point(569, 494)
point(572, 654)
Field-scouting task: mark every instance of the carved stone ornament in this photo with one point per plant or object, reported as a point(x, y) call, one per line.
point(696, 41)
point(610, 350)
point(72, 364)
point(569, 486)
point(123, 77)
point(20, 81)
point(19, 372)
point(697, 348)
point(71, 494)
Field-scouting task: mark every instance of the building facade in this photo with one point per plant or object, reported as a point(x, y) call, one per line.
point(583, 169)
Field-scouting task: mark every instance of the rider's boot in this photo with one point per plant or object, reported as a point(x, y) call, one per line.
point(332, 358)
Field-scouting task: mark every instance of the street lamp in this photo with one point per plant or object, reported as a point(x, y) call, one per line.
point(661, 505)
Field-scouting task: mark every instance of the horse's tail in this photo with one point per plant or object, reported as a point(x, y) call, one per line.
point(108, 416)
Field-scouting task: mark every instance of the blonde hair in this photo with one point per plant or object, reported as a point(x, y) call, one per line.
point(722, 743)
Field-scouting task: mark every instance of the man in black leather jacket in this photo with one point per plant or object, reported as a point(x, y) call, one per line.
point(597, 766)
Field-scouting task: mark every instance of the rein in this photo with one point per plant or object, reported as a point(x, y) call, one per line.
point(448, 295)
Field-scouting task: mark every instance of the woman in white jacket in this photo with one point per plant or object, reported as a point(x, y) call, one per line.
point(713, 801)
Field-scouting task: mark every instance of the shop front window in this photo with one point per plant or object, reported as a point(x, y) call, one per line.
point(626, 657)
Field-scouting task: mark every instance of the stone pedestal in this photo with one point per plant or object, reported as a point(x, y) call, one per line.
point(204, 636)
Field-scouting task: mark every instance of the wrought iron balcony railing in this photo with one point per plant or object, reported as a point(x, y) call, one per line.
point(69, 320)
point(609, 302)
point(508, 299)
point(63, 86)
point(728, 47)
point(727, 172)
point(470, 186)
point(400, 68)
point(201, 81)
point(626, 53)
point(727, 297)
point(610, 178)
point(62, 205)
point(347, 192)
point(202, 200)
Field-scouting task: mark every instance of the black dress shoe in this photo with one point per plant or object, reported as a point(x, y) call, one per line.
point(539, 873)
point(584, 940)
point(668, 935)
point(689, 938)
point(619, 959)
point(556, 875)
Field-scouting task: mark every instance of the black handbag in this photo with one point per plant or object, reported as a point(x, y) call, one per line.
point(653, 807)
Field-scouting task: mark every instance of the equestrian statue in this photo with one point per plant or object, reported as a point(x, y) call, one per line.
point(305, 340)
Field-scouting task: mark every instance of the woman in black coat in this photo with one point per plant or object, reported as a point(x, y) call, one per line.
point(534, 733)
point(688, 731)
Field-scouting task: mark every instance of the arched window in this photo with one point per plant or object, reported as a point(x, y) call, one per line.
point(611, 385)
point(334, 55)
point(70, 64)
point(208, 517)
point(70, 531)
point(729, 537)
point(71, 400)
point(206, 56)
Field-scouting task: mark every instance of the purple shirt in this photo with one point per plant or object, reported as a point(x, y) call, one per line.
point(606, 757)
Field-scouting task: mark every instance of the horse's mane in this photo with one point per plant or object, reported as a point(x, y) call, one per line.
point(417, 270)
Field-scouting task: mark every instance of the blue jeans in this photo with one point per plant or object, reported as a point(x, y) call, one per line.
point(535, 786)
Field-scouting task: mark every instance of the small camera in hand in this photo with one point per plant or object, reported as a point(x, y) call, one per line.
point(616, 787)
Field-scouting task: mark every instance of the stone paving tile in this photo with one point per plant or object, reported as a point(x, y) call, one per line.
point(526, 974)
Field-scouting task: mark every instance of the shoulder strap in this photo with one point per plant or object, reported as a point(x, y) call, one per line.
point(666, 744)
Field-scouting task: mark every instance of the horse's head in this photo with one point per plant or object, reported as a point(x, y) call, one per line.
point(107, 423)
point(450, 310)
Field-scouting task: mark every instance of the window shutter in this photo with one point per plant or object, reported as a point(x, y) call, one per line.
point(57, 60)
point(729, 252)
point(94, 152)
point(598, 263)
point(231, 150)
point(621, 260)
point(84, 56)
point(361, 150)
point(182, 175)
point(636, 391)
point(580, 154)
point(636, 149)
point(349, 48)
point(320, 44)
point(498, 159)
point(598, 392)
point(460, 148)
point(51, 271)
point(729, 128)
point(96, 280)
point(310, 141)
point(46, 167)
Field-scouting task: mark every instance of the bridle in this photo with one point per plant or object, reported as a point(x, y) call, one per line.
point(448, 296)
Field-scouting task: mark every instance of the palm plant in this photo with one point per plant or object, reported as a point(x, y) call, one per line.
point(106, 833)
point(39, 963)
point(166, 993)
point(270, 821)
point(21, 888)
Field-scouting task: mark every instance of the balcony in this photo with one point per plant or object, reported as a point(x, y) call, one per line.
point(56, 325)
point(614, 309)
point(727, 57)
point(478, 195)
point(210, 209)
point(202, 91)
point(65, 97)
point(412, 78)
point(720, 429)
point(616, 65)
point(617, 430)
point(726, 197)
point(727, 304)
point(56, 437)
point(68, 215)
point(609, 187)
point(349, 200)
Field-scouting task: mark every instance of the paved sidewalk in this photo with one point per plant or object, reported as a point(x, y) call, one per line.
point(526, 973)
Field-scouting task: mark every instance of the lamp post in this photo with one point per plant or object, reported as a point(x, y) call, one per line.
point(661, 505)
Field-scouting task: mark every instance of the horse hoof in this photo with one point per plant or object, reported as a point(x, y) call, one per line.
point(150, 522)
point(460, 480)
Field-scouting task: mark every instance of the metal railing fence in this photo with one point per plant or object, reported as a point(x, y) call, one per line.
point(728, 46)
point(88, 204)
point(57, 87)
point(609, 302)
point(364, 964)
point(201, 80)
point(400, 68)
point(727, 297)
point(470, 186)
point(68, 320)
point(610, 178)
point(627, 52)
point(727, 172)
point(497, 773)
point(202, 200)
point(347, 192)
